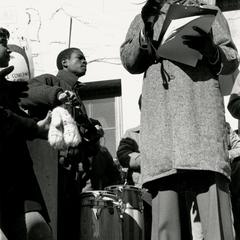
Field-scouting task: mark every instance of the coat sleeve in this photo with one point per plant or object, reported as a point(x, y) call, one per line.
point(223, 39)
point(135, 58)
point(43, 91)
point(128, 154)
point(234, 152)
point(234, 100)
point(15, 125)
point(234, 105)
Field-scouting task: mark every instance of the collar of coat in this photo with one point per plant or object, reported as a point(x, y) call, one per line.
point(69, 78)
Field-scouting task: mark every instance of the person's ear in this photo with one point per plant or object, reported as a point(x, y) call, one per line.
point(64, 63)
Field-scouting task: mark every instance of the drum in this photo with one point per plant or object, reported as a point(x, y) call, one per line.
point(100, 216)
point(132, 210)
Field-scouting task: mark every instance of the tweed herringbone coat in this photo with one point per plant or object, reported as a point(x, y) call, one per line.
point(182, 126)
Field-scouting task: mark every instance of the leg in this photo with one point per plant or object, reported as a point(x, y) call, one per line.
point(2, 235)
point(236, 215)
point(215, 208)
point(68, 206)
point(165, 216)
point(165, 209)
point(37, 228)
point(30, 226)
point(147, 214)
point(235, 194)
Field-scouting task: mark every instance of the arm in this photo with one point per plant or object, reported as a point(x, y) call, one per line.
point(234, 100)
point(227, 49)
point(128, 154)
point(16, 125)
point(217, 47)
point(135, 57)
point(234, 105)
point(43, 92)
point(235, 145)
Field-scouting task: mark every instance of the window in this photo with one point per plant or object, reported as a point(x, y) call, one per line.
point(102, 100)
point(228, 5)
point(108, 112)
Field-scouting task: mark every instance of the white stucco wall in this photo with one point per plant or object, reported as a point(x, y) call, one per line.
point(233, 18)
point(98, 28)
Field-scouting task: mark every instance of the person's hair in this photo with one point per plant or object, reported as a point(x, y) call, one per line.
point(4, 34)
point(65, 54)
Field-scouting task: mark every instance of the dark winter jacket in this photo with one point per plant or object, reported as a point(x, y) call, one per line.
point(43, 92)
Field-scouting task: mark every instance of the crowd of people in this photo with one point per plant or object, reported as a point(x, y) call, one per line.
point(183, 156)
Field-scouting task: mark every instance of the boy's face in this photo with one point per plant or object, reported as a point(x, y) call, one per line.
point(4, 53)
point(77, 63)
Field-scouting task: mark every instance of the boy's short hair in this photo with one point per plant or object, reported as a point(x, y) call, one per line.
point(65, 54)
point(4, 35)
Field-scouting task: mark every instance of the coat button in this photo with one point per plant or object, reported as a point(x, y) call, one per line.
point(171, 76)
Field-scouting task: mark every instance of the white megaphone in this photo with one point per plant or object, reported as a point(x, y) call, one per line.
point(21, 59)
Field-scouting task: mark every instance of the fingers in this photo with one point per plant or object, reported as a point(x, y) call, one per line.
point(192, 42)
point(4, 72)
point(200, 31)
point(67, 96)
point(201, 34)
point(48, 117)
point(71, 95)
point(63, 97)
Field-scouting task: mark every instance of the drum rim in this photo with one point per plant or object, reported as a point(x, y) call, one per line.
point(127, 187)
point(91, 193)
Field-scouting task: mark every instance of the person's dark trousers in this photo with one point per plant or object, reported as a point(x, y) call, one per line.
point(147, 214)
point(68, 225)
point(235, 194)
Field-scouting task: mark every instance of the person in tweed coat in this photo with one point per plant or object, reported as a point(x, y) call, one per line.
point(183, 139)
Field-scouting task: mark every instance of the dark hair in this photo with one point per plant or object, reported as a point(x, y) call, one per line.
point(4, 34)
point(65, 54)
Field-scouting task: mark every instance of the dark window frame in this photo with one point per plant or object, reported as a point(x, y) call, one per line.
point(100, 89)
point(228, 5)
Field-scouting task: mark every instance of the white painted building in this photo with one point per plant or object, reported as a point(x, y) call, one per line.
point(97, 27)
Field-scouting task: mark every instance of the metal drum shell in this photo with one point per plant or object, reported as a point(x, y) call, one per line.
point(100, 216)
point(130, 195)
point(132, 210)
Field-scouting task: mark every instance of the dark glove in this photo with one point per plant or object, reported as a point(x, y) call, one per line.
point(150, 13)
point(92, 131)
point(203, 43)
point(11, 91)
